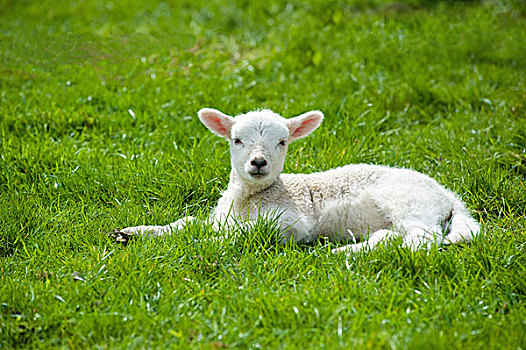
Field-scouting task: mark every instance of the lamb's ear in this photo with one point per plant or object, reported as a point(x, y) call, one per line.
point(304, 124)
point(218, 122)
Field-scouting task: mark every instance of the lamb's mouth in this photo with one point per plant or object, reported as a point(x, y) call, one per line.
point(258, 174)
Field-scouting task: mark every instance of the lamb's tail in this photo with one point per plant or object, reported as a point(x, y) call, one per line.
point(462, 227)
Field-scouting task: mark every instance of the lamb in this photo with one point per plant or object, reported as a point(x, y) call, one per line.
point(356, 202)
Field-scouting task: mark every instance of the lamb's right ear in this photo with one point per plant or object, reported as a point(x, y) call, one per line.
point(218, 122)
point(304, 124)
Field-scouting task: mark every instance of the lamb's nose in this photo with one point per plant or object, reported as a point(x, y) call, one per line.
point(258, 162)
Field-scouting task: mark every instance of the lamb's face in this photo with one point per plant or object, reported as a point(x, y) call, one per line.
point(259, 140)
point(258, 146)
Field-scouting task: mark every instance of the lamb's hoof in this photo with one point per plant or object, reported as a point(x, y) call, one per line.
point(122, 237)
point(349, 249)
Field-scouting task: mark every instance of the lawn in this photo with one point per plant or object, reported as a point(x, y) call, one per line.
point(98, 131)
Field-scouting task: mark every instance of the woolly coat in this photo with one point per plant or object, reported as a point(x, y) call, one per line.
point(344, 203)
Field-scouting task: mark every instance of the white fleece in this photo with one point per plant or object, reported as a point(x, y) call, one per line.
point(357, 202)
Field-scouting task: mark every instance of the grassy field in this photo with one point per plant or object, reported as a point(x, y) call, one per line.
point(98, 130)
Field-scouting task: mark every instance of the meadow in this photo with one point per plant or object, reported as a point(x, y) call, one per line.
point(99, 131)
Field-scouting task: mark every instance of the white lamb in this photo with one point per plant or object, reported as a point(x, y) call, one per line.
point(358, 202)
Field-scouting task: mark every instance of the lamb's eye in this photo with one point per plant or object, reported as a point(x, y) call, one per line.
point(282, 143)
point(237, 141)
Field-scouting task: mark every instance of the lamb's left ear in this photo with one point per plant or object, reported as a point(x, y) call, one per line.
point(218, 122)
point(304, 124)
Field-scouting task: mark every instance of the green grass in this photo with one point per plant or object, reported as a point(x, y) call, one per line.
point(98, 130)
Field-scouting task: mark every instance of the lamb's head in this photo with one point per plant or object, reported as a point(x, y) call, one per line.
point(259, 140)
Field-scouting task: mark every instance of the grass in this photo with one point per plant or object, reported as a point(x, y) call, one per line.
point(98, 130)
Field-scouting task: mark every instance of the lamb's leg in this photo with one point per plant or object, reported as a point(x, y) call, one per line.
point(417, 236)
point(418, 240)
point(154, 231)
point(296, 227)
point(462, 228)
point(374, 239)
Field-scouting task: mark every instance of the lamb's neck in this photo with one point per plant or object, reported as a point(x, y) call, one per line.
point(235, 200)
point(243, 190)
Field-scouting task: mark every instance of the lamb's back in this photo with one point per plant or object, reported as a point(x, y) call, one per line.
point(337, 182)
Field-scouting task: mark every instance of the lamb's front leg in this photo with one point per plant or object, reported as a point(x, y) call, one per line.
point(154, 231)
point(376, 238)
point(296, 227)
